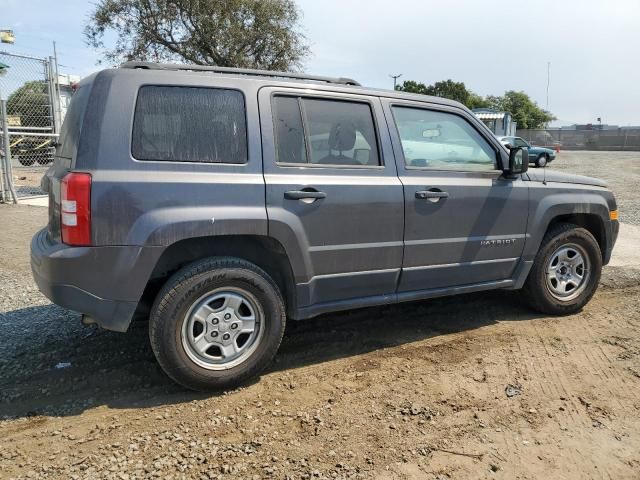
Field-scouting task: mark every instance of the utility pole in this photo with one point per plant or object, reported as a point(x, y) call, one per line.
point(548, 82)
point(395, 79)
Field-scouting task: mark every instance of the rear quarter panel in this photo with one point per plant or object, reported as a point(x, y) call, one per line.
point(157, 203)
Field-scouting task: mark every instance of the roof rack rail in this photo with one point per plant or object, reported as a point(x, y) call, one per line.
point(236, 71)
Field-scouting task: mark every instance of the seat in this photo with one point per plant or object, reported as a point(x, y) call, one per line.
point(342, 138)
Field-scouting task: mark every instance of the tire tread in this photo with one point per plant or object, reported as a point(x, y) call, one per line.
point(170, 296)
point(534, 292)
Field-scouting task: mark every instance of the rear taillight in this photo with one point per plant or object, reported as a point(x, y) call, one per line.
point(76, 209)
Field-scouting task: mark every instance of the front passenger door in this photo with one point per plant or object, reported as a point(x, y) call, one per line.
point(465, 222)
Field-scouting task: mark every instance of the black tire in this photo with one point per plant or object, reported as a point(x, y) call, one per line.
point(540, 157)
point(536, 291)
point(185, 287)
point(26, 162)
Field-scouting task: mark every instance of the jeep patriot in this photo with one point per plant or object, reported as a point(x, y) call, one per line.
point(219, 202)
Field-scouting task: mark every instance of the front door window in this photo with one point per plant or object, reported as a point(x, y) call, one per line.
point(443, 141)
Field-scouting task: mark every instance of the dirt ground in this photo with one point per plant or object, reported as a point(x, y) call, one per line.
point(621, 170)
point(475, 386)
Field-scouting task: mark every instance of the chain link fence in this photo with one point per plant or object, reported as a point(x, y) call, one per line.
point(613, 139)
point(29, 89)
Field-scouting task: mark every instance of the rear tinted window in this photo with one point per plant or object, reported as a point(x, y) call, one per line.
point(334, 132)
point(72, 125)
point(289, 130)
point(186, 124)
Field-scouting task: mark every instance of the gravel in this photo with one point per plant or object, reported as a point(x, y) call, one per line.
point(621, 170)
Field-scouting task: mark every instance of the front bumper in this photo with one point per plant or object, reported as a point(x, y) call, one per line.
point(612, 236)
point(105, 283)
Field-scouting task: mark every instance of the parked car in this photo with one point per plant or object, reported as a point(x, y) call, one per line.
point(539, 156)
point(219, 203)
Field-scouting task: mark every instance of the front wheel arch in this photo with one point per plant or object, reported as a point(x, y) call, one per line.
point(589, 221)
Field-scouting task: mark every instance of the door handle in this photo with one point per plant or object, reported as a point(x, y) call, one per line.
point(432, 195)
point(304, 195)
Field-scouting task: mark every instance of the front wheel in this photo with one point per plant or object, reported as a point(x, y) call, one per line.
point(565, 272)
point(542, 159)
point(217, 323)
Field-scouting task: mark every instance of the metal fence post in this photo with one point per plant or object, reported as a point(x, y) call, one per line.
point(7, 149)
point(3, 182)
point(54, 94)
point(2, 194)
point(30, 86)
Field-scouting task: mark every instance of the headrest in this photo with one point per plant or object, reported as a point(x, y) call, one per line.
point(342, 137)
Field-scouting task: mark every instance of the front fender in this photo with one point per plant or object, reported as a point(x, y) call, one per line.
point(549, 202)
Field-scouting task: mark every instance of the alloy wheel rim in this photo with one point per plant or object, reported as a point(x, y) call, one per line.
point(222, 328)
point(567, 272)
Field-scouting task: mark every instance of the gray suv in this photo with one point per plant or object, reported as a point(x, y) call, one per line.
point(217, 203)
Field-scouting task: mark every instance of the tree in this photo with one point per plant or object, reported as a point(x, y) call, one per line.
point(449, 89)
point(476, 101)
point(446, 89)
point(31, 103)
point(228, 33)
point(523, 110)
point(411, 86)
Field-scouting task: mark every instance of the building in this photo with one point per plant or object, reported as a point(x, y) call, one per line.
point(66, 86)
point(500, 123)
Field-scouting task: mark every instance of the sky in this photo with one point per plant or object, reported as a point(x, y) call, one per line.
point(490, 45)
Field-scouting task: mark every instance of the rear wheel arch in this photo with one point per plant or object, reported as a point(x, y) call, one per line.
point(264, 252)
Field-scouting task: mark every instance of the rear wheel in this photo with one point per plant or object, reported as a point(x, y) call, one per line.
point(565, 272)
point(542, 159)
point(217, 323)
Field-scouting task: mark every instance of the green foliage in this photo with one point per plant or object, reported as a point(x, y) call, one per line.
point(449, 89)
point(523, 110)
point(412, 87)
point(231, 33)
point(31, 103)
point(446, 89)
point(476, 101)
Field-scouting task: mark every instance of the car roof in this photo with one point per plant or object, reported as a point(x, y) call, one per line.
point(267, 78)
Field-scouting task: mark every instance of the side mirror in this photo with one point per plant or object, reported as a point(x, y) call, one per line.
point(518, 161)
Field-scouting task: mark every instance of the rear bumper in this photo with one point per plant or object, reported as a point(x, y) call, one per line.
point(105, 283)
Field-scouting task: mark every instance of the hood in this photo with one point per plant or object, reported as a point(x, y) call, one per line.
point(538, 174)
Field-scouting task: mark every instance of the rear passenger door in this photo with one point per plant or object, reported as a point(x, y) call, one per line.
point(333, 197)
point(465, 221)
